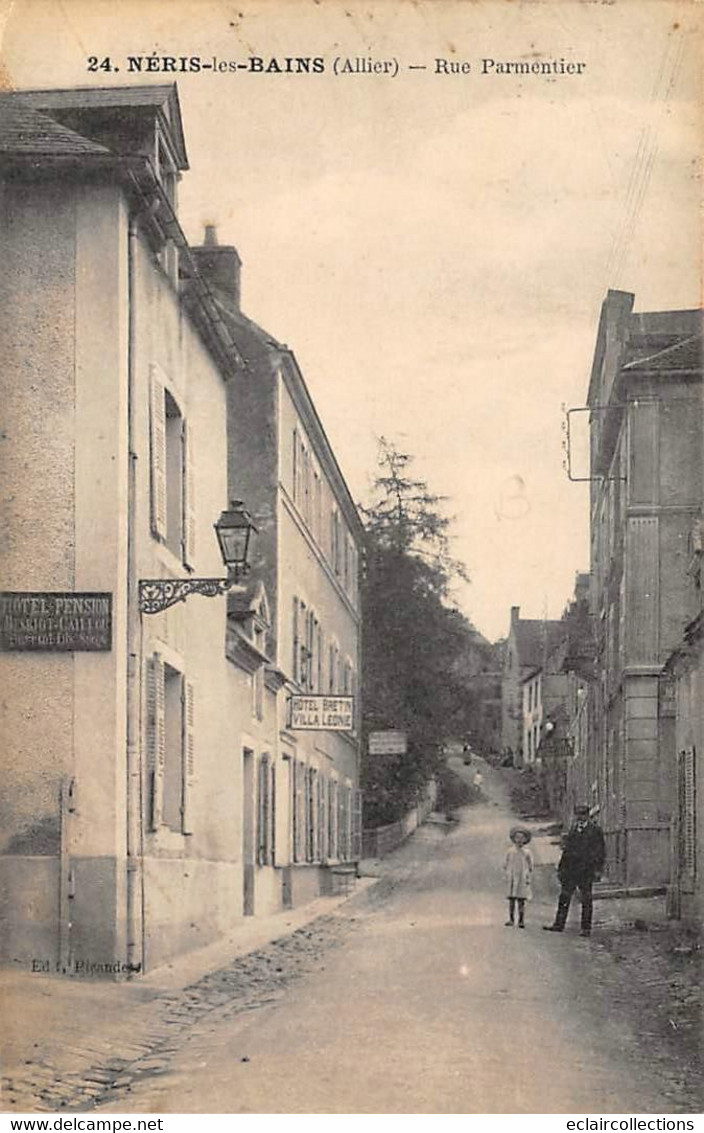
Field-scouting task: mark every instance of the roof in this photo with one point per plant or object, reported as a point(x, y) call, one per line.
point(27, 131)
point(163, 98)
point(255, 344)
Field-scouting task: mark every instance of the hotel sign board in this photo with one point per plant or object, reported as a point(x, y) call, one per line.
point(55, 621)
point(388, 743)
point(321, 713)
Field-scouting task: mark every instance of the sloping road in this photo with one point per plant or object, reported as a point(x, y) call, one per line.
point(430, 1005)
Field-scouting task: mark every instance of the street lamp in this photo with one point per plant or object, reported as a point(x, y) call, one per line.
point(233, 530)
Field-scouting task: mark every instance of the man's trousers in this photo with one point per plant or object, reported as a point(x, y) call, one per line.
point(569, 884)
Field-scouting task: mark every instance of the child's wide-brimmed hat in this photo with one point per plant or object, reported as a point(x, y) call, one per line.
point(519, 830)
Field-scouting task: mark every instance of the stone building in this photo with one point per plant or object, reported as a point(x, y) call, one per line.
point(686, 669)
point(645, 436)
point(307, 555)
point(133, 817)
point(530, 685)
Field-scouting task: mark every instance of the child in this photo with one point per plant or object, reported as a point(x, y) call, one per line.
point(518, 868)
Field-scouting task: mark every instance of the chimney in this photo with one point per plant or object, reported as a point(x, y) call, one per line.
point(220, 266)
point(515, 611)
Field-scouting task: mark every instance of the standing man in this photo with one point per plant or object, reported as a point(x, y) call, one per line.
point(580, 866)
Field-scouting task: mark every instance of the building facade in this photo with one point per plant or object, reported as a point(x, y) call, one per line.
point(308, 555)
point(137, 805)
point(529, 684)
point(645, 435)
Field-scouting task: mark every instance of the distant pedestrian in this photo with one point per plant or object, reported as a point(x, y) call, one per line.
point(580, 866)
point(518, 867)
point(477, 780)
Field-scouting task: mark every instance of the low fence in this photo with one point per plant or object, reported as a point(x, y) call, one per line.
point(383, 839)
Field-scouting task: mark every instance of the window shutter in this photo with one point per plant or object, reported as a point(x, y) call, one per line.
point(687, 820)
point(156, 739)
point(157, 456)
point(333, 850)
point(188, 497)
point(262, 810)
point(294, 470)
point(356, 825)
point(188, 756)
point(341, 823)
point(295, 641)
point(299, 812)
point(309, 813)
point(322, 823)
point(272, 813)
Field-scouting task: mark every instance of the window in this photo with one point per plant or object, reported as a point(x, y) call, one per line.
point(294, 468)
point(295, 670)
point(332, 809)
point(299, 811)
point(351, 581)
point(170, 746)
point(266, 810)
point(333, 667)
point(322, 834)
point(311, 814)
point(171, 468)
point(317, 522)
point(335, 541)
point(687, 819)
point(343, 822)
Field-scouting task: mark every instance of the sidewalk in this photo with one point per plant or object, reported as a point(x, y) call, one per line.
point(62, 1036)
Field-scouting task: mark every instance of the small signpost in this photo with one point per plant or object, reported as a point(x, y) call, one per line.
point(388, 743)
point(321, 713)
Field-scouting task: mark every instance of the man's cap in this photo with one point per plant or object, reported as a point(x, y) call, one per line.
point(581, 810)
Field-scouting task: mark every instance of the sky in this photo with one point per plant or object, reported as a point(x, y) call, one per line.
point(435, 247)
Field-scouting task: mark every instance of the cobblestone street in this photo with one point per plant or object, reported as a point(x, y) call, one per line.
point(418, 969)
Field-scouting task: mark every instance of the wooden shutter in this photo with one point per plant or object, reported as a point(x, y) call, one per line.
point(356, 825)
point(188, 762)
point(295, 641)
point(156, 739)
point(272, 810)
point(333, 849)
point(341, 823)
point(322, 819)
point(262, 810)
point(687, 820)
point(188, 536)
point(299, 812)
point(157, 456)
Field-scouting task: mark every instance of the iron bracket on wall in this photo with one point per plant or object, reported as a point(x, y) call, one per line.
point(157, 594)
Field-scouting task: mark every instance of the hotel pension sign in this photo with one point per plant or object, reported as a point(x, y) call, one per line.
point(321, 713)
point(55, 621)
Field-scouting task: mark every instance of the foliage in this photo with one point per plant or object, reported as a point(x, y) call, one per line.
point(412, 636)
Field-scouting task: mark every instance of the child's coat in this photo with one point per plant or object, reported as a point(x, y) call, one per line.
point(518, 868)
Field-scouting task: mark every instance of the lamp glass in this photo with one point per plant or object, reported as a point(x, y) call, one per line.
point(233, 544)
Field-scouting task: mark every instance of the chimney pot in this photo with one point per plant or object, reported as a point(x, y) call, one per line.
point(211, 236)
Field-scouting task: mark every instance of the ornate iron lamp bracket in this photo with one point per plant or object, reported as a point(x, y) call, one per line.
point(157, 594)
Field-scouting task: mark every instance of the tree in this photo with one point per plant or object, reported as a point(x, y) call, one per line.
point(412, 635)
